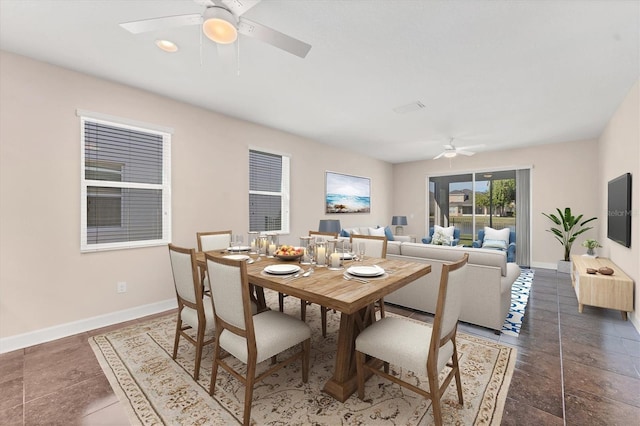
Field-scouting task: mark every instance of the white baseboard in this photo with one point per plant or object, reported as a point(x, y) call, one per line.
point(20, 341)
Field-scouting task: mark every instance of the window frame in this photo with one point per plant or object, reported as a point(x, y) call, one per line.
point(285, 190)
point(164, 187)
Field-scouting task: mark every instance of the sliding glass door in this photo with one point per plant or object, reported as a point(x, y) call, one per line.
point(472, 201)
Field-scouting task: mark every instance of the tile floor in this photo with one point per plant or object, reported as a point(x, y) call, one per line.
point(572, 368)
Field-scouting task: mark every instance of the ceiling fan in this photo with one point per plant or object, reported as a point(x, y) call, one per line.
point(221, 22)
point(451, 151)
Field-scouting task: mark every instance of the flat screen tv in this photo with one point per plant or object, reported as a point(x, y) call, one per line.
point(619, 210)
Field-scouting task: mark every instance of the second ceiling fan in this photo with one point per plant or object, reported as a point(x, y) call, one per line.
point(451, 151)
point(221, 22)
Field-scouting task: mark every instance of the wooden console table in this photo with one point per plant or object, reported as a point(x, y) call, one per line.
point(606, 291)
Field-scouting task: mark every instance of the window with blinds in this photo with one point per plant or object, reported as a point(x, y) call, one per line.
point(125, 198)
point(268, 192)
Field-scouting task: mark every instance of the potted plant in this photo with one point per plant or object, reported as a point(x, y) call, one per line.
point(591, 246)
point(567, 230)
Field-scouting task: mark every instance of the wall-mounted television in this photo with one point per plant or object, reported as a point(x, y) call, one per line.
point(619, 210)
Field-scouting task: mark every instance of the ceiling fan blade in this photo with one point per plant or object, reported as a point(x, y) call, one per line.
point(238, 7)
point(467, 153)
point(146, 25)
point(438, 156)
point(273, 37)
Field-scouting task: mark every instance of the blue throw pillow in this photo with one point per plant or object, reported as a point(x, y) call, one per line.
point(388, 233)
point(344, 233)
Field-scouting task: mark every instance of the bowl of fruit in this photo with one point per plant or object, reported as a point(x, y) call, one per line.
point(289, 252)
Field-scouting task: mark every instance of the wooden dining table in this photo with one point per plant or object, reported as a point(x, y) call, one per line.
point(353, 299)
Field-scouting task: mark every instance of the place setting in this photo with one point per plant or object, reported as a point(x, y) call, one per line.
point(364, 273)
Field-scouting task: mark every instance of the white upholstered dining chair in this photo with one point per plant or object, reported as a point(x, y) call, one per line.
point(375, 246)
point(194, 309)
point(247, 337)
point(212, 240)
point(417, 347)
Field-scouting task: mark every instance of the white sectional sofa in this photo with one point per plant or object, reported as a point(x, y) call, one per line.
point(486, 300)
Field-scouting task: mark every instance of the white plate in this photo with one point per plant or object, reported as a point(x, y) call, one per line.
point(366, 271)
point(237, 257)
point(239, 248)
point(281, 269)
point(347, 256)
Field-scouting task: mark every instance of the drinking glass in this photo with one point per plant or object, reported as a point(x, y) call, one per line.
point(361, 250)
point(238, 240)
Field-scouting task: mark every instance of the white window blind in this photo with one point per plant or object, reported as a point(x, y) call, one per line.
point(268, 192)
point(125, 188)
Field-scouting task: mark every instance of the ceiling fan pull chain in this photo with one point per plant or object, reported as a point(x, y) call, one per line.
point(238, 57)
point(200, 32)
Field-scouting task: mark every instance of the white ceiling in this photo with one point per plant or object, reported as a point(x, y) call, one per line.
point(500, 73)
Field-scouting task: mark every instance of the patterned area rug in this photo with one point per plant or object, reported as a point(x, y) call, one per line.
point(519, 298)
point(154, 389)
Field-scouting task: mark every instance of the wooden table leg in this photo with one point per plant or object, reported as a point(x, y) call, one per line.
point(344, 381)
point(624, 315)
point(580, 307)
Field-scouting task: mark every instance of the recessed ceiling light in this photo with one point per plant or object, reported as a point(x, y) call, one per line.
point(167, 46)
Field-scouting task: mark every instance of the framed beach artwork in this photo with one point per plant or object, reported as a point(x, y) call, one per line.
point(347, 194)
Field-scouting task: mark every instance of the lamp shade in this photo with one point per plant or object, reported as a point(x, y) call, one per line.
point(329, 225)
point(399, 220)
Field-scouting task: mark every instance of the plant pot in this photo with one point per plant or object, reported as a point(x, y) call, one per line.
point(564, 266)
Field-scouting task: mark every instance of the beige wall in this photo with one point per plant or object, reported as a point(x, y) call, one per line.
point(46, 282)
point(44, 279)
point(619, 152)
point(562, 175)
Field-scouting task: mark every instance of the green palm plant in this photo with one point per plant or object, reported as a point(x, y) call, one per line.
point(569, 227)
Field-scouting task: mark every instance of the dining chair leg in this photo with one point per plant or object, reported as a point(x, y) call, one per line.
point(281, 302)
point(177, 338)
point(303, 310)
point(306, 354)
point(199, 344)
point(456, 367)
point(248, 392)
point(360, 359)
point(434, 390)
point(381, 301)
point(323, 315)
point(214, 369)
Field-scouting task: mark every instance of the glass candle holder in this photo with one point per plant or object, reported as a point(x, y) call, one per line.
point(272, 244)
point(321, 253)
point(252, 240)
point(306, 258)
point(262, 245)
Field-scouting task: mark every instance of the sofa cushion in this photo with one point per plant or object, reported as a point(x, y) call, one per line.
point(491, 234)
point(378, 232)
point(448, 231)
point(393, 247)
point(480, 256)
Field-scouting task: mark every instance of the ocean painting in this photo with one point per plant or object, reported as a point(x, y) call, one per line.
point(347, 194)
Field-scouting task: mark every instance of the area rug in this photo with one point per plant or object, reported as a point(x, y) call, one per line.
point(519, 298)
point(154, 389)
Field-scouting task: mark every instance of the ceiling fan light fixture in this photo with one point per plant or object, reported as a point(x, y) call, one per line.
point(220, 25)
point(167, 46)
point(450, 154)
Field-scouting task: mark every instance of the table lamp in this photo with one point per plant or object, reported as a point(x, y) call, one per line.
point(330, 225)
point(399, 221)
